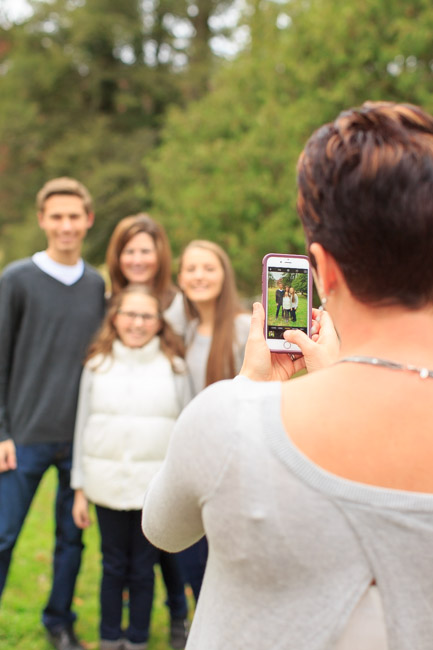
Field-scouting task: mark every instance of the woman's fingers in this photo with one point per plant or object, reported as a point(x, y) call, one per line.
point(322, 348)
point(316, 352)
point(259, 363)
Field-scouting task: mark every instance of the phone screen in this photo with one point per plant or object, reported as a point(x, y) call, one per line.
point(288, 300)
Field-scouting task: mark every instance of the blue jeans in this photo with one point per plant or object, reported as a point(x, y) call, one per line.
point(193, 564)
point(127, 562)
point(17, 489)
point(173, 580)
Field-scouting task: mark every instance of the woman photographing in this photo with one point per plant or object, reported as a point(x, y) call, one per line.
point(320, 518)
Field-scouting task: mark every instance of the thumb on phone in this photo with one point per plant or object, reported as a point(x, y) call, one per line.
point(260, 364)
point(323, 349)
point(257, 359)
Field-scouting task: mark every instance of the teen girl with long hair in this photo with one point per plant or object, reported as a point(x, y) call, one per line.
point(215, 338)
point(217, 327)
point(294, 304)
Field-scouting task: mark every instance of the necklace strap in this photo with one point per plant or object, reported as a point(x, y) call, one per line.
point(424, 373)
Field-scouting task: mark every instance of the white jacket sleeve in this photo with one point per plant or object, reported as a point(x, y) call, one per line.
point(83, 412)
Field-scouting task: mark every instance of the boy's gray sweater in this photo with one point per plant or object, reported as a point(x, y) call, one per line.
point(45, 327)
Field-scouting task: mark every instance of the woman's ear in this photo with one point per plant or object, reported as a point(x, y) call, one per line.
point(327, 274)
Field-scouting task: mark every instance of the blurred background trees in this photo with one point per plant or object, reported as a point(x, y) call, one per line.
point(193, 110)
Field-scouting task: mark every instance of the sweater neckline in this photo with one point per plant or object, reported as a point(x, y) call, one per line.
point(323, 480)
point(59, 282)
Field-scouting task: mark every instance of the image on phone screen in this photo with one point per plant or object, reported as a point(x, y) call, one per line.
point(287, 300)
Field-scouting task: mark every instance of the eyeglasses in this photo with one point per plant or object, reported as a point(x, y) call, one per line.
point(133, 315)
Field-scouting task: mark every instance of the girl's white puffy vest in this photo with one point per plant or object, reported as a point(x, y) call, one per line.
point(128, 407)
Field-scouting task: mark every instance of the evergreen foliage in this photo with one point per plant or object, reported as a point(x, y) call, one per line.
point(229, 160)
point(130, 98)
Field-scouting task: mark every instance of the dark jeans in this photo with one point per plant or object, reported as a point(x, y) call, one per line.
point(293, 310)
point(127, 562)
point(193, 564)
point(17, 489)
point(278, 310)
point(172, 575)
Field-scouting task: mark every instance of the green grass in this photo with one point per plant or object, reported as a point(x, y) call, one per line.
point(29, 583)
point(301, 312)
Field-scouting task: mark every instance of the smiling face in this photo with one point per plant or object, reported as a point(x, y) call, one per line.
point(138, 260)
point(201, 275)
point(137, 320)
point(65, 223)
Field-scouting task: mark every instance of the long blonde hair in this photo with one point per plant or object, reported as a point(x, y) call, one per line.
point(171, 344)
point(221, 360)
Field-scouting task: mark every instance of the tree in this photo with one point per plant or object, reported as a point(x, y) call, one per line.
point(102, 90)
point(227, 163)
point(66, 110)
point(85, 86)
point(300, 283)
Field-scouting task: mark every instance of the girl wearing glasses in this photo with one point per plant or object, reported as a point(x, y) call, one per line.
point(133, 387)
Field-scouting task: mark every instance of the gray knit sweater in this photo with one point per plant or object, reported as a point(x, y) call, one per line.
point(292, 548)
point(45, 327)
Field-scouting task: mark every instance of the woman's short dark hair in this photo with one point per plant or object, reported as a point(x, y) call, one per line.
point(366, 195)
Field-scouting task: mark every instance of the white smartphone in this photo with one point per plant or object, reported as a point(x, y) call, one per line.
point(287, 298)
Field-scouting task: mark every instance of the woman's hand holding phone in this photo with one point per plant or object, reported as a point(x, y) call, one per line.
point(286, 282)
point(323, 348)
point(260, 364)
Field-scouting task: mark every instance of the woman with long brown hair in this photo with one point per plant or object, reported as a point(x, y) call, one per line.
point(139, 252)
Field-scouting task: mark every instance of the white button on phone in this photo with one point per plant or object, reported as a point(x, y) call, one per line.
point(287, 345)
